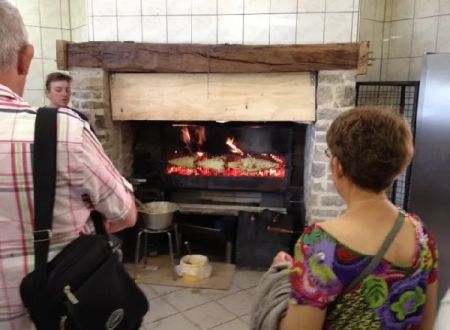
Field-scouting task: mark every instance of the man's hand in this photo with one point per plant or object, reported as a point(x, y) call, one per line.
point(282, 258)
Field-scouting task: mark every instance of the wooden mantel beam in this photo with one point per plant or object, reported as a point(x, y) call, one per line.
point(193, 58)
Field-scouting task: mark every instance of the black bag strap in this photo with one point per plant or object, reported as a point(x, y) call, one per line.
point(381, 252)
point(44, 180)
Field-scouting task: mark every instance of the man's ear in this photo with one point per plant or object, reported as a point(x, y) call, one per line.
point(24, 59)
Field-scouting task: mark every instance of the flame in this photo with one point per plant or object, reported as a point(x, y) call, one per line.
point(185, 136)
point(200, 154)
point(234, 148)
point(201, 135)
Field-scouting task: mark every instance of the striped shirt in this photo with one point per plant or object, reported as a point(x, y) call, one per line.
point(85, 179)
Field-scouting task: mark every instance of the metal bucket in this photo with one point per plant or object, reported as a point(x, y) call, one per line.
point(157, 215)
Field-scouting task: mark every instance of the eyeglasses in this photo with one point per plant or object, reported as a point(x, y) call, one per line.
point(327, 153)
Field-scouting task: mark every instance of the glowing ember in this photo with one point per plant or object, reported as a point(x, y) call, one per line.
point(234, 148)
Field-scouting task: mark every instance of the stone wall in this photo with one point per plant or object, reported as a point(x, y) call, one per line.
point(335, 94)
point(90, 95)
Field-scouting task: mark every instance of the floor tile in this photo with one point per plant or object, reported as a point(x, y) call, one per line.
point(239, 303)
point(218, 294)
point(149, 292)
point(159, 308)
point(175, 322)
point(186, 299)
point(209, 315)
point(236, 324)
point(163, 289)
point(246, 278)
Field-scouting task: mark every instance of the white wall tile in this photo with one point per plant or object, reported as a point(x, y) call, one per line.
point(283, 28)
point(230, 29)
point(129, 28)
point(426, 8)
point(398, 69)
point(91, 28)
point(49, 37)
point(283, 6)
point(35, 98)
point(373, 71)
point(29, 9)
point(154, 29)
point(256, 6)
point(368, 9)
point(34, 38)
point(372, 31)
point(78, 15)
point(179, 7)
point(35, 79)
point(67, 35)
point(65, 14)
point(310, 28)
point(355, 27)
point(105, 28)
point(204, 29)
point(444, 7)
point(80, 34)
point(50, 13)
point(401, 36)
point(256, 29)
point(424, 36)
point(311, 6)
point(339, 5)
point(380, 10)
point(443, 41)
point(386, 39)
point(387, 15)
point(153, 7)
point(231, 6)
point(49, 66)
point(402, 9)
point(128, 7)
point(204, 7)
point(384, 69)
point(179, 29)
point(415, 68)
point(338, 27)
point(104, 8)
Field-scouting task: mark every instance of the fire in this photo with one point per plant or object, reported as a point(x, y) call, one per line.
point(234, 148)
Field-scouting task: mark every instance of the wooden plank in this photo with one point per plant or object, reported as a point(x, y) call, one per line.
point(225, 209)
point(217, 97)
point(193, 58)
point(61, 54)
point(363, 62)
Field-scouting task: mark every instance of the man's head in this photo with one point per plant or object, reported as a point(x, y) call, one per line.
point(15, 52)
point(57, 88)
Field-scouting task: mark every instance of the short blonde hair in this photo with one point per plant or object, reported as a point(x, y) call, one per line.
point(13, 34)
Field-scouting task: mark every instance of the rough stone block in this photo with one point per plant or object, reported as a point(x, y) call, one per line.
point(345, 96)
point(92, 105)
point(325, 213)
point(321, 137)
point(334, 200)
point(328, 113)
point(322, 125)
point(324, 95)
point(331, 77)
point(318, 170)
point(318, 187)
point(331, 188)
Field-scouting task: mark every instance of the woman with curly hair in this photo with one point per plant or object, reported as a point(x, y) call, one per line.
point(368, 149)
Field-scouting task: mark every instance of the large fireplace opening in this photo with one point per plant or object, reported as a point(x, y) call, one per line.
point(230, 180)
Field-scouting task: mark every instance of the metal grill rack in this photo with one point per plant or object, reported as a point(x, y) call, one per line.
point(402, 96)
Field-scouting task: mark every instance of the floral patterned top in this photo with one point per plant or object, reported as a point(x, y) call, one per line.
point(392, 297)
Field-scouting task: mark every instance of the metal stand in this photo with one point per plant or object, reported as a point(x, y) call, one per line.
point(167, 231)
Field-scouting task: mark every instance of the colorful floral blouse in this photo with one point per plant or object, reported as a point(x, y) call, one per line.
point(392, 297)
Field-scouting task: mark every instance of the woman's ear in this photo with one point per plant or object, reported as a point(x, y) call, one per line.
point(337, 167)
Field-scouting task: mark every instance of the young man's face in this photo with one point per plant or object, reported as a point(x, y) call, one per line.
point(59, 93)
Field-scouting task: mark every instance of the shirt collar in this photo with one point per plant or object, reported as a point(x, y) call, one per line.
point(7, 92)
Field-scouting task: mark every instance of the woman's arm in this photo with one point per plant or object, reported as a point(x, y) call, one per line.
point(430, 309)
point(303, 317)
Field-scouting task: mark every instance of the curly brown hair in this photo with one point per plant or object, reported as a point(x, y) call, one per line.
point(372, 144)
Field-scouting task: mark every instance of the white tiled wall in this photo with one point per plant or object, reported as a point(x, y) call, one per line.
point(47, 21)
point(224, 21)
point(409, 29)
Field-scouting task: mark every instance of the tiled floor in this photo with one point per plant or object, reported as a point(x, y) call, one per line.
point(173, 308)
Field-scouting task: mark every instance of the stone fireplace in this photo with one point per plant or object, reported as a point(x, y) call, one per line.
point(263, 107)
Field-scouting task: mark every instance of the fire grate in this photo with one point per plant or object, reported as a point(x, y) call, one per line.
point(403, 97)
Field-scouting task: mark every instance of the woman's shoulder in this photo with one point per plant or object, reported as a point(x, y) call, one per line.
point(315, 233)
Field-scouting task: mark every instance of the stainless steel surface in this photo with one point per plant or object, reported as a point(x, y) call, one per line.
point(157, 215)
point(430, 181)
point(225, 209)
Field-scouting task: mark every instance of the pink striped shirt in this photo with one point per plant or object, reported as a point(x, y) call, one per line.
point(86, 179)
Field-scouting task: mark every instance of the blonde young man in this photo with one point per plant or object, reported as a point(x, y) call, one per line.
point(86, 178)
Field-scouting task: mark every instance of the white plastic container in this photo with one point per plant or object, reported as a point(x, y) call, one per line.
point(194, 267)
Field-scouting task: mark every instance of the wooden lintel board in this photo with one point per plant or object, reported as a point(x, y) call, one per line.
point(217, 97)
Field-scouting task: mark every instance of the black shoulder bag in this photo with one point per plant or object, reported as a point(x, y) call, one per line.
point(84, 287)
